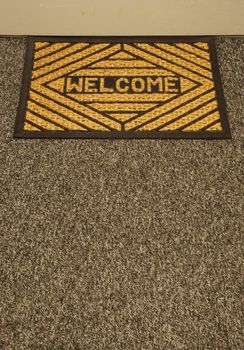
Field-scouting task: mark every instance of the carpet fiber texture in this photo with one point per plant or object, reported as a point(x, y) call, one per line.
point(121, 245)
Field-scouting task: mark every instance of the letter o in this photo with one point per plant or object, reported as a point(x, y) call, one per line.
point(135, 81)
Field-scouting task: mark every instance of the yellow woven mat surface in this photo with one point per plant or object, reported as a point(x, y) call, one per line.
point(121, 87)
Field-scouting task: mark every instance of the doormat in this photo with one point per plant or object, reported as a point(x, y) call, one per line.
point(121, 87)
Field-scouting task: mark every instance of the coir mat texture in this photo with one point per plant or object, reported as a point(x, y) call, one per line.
point(121, 87)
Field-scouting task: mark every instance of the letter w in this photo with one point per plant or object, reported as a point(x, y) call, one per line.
point(74, 86)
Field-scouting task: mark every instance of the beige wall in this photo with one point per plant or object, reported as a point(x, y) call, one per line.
point(121, 17)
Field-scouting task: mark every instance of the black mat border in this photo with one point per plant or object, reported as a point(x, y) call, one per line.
point(20, 133)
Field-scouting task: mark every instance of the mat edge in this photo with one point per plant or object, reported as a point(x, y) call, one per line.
point(121, 135)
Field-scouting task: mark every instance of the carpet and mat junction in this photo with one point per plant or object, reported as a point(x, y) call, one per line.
point(128, 87)
point(121, 245)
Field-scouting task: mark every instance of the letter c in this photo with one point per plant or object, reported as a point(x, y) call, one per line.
point(119, 86)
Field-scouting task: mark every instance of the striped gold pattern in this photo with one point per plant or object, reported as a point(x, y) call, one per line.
point(142, 97)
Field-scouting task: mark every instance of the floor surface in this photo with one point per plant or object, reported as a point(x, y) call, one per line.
point(130, 244)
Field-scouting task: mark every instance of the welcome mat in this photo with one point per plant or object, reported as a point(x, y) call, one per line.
point(121, 87)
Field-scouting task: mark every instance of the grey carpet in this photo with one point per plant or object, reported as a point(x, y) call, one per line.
point(132, 244)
